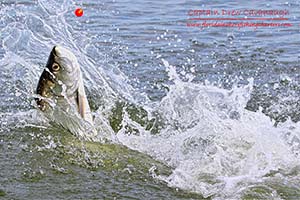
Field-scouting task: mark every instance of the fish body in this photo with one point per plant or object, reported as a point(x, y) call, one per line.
point(61, 84)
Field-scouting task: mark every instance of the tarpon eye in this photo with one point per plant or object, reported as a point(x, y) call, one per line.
point(55, 67)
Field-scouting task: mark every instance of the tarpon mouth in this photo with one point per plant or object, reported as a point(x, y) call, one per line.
point(54, 51)
point(62, 52)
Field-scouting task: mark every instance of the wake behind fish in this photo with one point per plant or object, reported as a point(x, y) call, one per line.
point(217, 147)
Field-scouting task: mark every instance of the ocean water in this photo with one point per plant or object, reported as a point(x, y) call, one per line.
point(181, 112)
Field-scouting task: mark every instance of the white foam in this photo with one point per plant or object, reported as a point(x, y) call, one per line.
point(216, 146)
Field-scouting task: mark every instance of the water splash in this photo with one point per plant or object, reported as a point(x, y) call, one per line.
point(217, 147)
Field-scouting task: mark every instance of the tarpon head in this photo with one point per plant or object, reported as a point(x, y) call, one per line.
point(64, 69)
point(62, 80)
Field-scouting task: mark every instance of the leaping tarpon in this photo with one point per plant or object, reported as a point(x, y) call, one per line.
point(61, 83)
